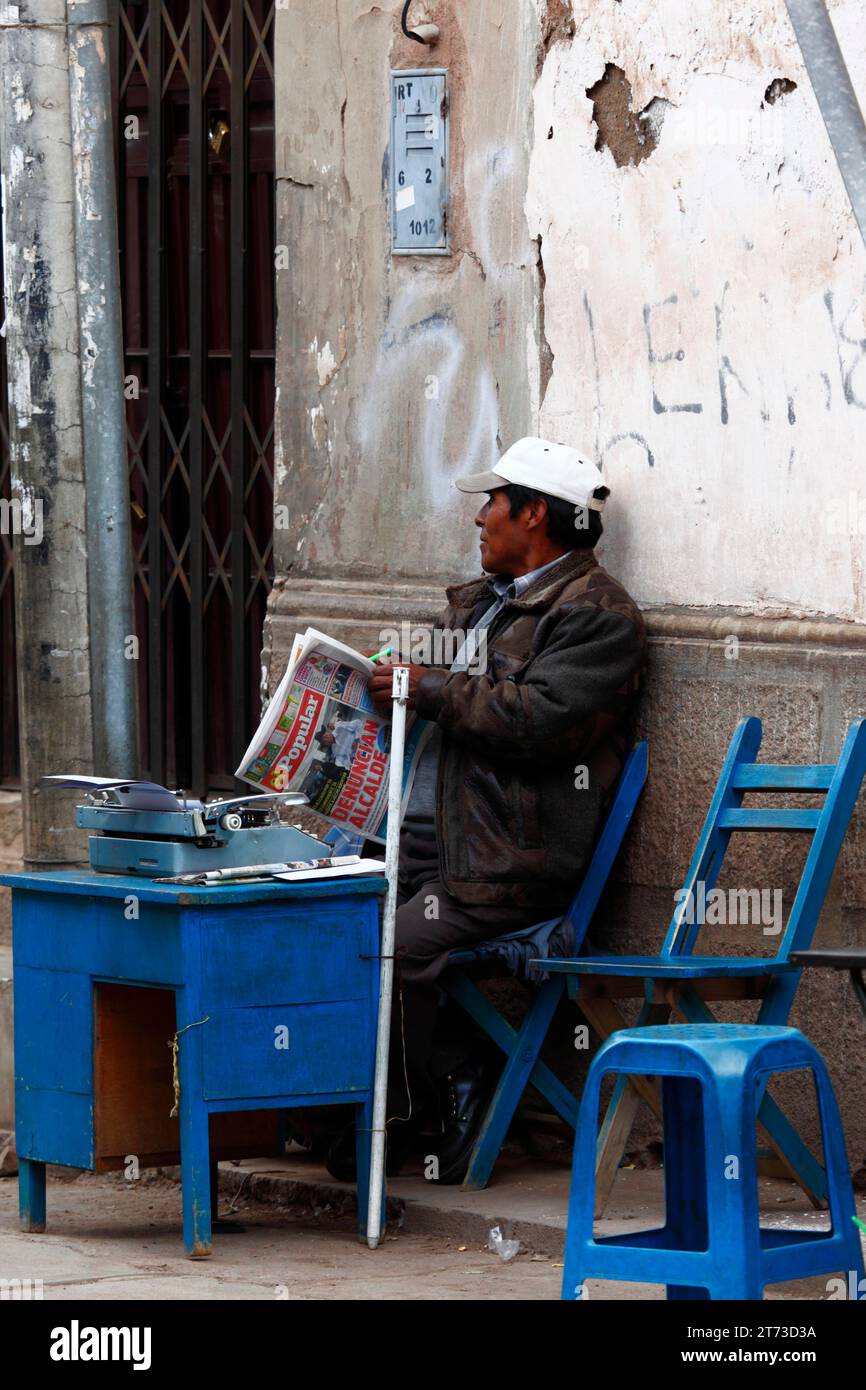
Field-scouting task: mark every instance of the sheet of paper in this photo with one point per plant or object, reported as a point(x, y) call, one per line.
point(132, 794)
point(364, 866)
point(75, 779)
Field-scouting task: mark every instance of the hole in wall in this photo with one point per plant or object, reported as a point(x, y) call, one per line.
point(779, 87)
point(631, 136)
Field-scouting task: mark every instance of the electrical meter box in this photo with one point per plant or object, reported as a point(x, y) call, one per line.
point(419, 162)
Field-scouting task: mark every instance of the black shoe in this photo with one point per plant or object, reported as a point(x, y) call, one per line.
point(466, 1095)
point(340, 1158)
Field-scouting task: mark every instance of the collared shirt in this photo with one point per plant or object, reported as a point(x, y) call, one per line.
point(505, 590)
point(422, 801)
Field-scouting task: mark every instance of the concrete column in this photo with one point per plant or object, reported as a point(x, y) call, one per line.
point(63, 352)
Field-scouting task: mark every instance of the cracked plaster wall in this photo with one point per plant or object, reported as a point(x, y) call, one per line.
point(46, 445)
point(704, 301)
point(654, 258)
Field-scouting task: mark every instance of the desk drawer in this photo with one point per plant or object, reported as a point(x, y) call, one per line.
point(286, 955)
point(330, 1048)
point(66, 931)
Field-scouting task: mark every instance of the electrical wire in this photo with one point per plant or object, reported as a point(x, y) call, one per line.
point(408, 32)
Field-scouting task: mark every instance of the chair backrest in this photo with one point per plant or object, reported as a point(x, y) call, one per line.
point(740, 775)
point(607, 845)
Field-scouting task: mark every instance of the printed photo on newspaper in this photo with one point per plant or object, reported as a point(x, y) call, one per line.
point(321, 735)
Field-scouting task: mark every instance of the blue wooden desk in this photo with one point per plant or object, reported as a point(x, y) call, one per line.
point(269, 992)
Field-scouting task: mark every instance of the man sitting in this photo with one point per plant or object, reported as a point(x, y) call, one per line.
point(515, 778)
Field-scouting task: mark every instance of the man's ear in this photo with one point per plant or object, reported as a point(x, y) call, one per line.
point(536, 513)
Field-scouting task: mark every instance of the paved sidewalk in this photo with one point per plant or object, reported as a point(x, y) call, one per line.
point(528, 1196)
point(111, 1239)
point(108, 1238)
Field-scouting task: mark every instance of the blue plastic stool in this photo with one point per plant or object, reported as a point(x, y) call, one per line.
point(712, 1078)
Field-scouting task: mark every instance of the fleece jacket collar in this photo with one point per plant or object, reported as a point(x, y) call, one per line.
point(541, 594)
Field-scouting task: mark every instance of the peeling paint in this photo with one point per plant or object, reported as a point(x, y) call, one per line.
point(545, 351)
point(89, 355)
point(326, 363)
point(319, 427)
point(22, 107)
point(557, 26)
point(19, 389)
point(15, 170)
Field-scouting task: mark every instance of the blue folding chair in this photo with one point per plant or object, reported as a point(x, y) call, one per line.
point(678, 982)
point(522, 1048)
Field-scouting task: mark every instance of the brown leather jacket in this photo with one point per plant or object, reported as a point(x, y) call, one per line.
point(531, 749)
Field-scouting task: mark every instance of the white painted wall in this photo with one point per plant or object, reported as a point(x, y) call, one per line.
point(705, 308)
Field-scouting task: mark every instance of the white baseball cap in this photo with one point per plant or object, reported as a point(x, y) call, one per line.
point(556, 469)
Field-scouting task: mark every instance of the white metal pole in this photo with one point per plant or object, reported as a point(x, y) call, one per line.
point(399, 696)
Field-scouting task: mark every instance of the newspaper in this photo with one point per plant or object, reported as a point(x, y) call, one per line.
point(322, 735)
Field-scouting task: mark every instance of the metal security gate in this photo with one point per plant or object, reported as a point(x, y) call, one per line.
point(194, 104)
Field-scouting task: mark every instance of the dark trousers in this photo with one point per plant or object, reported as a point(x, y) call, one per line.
point(428, 1038)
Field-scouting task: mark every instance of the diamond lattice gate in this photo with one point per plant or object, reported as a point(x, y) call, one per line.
point(194, 103)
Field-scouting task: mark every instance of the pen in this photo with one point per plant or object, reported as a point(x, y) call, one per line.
point(202, 877)
point(386, 651)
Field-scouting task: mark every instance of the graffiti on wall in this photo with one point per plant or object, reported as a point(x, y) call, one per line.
point(428, 364)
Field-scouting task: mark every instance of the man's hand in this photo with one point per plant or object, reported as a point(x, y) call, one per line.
point(382, 680)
